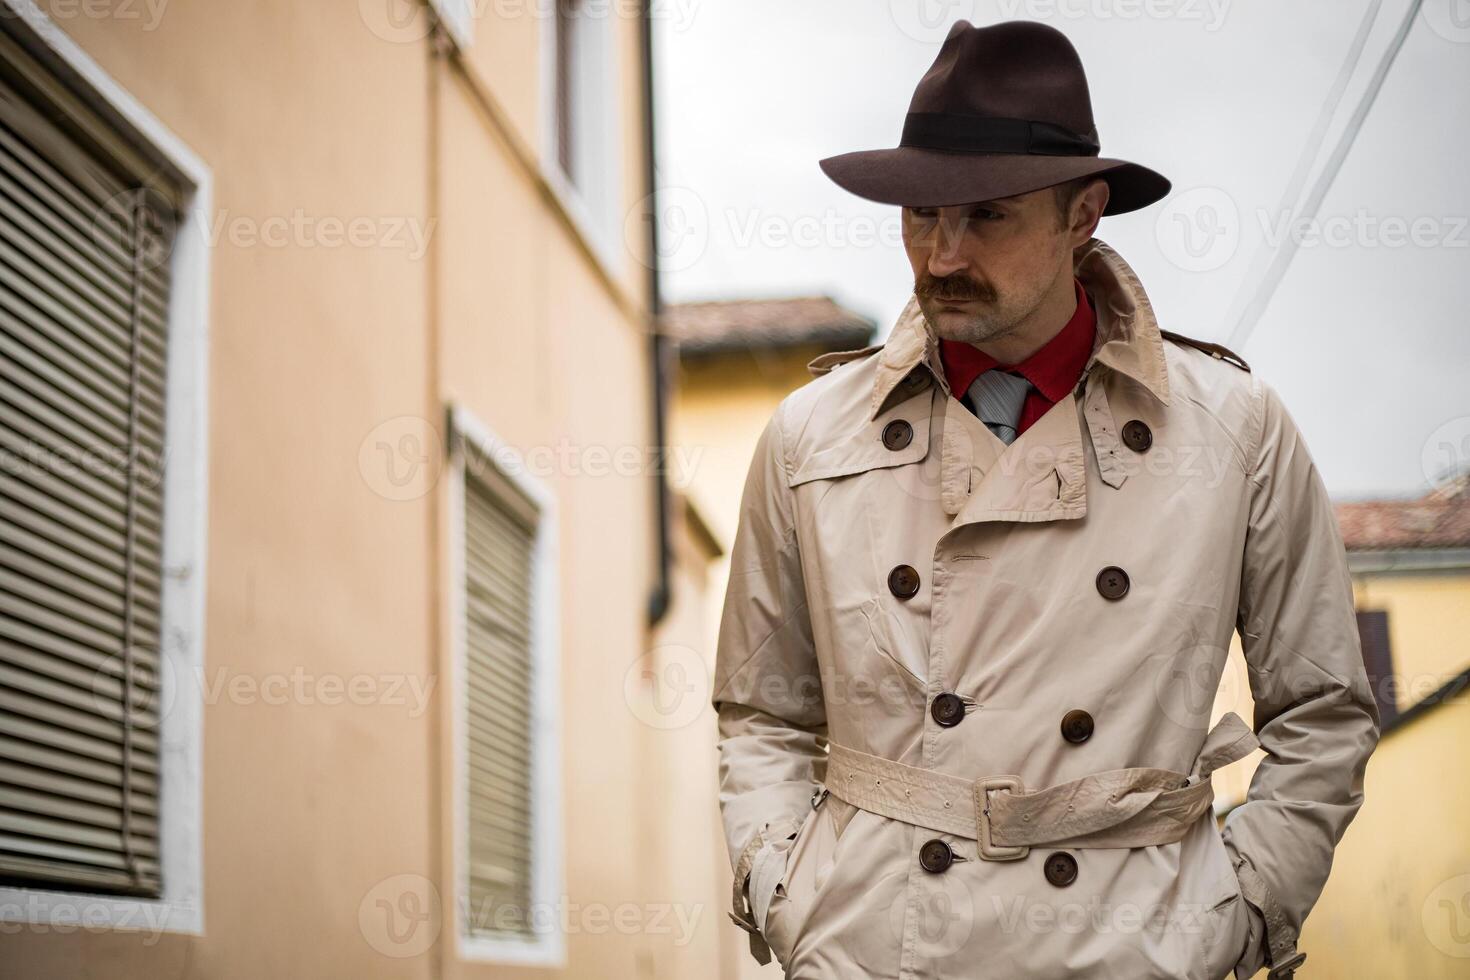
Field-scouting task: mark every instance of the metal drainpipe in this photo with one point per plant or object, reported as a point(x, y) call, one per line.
point(660, 598)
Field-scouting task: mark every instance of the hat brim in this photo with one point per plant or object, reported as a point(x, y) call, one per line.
point(915, 176)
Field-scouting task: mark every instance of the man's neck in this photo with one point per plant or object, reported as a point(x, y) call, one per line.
point(1034, 332)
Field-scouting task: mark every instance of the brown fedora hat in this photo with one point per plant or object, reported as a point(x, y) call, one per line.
point(1002, 111)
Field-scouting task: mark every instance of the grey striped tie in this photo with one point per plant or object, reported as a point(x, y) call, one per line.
point(996, 397)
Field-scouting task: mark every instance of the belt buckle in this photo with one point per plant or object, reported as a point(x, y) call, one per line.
point(983, 787)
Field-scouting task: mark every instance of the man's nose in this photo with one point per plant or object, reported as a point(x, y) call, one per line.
point(944, 257)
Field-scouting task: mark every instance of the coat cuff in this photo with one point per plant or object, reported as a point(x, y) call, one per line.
point(765, 874)
point(742, 914)
point(1280, 952)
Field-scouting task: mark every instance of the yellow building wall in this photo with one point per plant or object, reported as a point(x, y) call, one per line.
point(305, 806)
point(535, 344)
point(303, 108)
point(720, 407)
point(1397, 906)
point(682, 835)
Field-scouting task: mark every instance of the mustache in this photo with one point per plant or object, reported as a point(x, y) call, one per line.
point(957, 287)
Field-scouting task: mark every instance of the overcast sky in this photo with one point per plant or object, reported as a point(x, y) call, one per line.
point(1366, 337)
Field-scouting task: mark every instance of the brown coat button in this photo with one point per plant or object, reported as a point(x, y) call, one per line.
point(897, 434)
point(1137, 437)
point(935, 856)
point(948, 709)
point(1061, 868)
point(1077, 726)
point(1112, 582)
point(903, 581)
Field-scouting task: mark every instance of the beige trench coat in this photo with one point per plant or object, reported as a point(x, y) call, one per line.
point(941, 610)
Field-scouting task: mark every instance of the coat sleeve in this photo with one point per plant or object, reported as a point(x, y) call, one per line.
point(1315, 714)
point(772, 723)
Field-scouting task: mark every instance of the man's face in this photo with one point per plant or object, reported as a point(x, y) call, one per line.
point(982, 269)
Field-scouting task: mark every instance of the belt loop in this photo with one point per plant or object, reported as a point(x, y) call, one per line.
point(1229, 741)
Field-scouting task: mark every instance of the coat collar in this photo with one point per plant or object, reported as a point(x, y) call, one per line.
point(1127, 340)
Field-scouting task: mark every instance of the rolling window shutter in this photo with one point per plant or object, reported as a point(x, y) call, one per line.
point(1378, 661)
point(83, 306)
point(499, 537)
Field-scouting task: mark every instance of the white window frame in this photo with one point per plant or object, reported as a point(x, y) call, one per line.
point(186, 451)
point(547, 881)
point(598, 216)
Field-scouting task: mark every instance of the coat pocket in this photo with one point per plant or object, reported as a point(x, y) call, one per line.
point(1223, 922)
point(808, 863)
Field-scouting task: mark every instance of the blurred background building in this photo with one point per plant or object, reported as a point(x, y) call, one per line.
point(339, 549)
point(737, 360)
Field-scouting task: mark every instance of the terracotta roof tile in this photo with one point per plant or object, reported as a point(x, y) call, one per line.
point(1439, 519)
point(725, 326)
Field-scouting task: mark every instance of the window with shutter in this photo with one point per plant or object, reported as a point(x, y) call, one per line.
point(498, 542)
point(1378, 662)
point(581, 113)
point(507, 746)
point(85, 230)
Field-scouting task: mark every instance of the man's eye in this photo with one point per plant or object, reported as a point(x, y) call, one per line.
point(985, 214)
point(928, 214)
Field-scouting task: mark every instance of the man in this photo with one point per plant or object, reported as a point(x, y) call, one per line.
point(984, 582)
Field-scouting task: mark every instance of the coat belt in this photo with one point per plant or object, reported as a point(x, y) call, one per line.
point(1135, 807)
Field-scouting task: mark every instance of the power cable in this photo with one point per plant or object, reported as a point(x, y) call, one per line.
point(1281, 261)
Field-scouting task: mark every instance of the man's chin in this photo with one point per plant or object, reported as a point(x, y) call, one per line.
point(964, 328)
point(950, 324)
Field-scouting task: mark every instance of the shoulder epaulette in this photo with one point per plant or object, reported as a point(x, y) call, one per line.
point(1215, 350)
point(823, 363)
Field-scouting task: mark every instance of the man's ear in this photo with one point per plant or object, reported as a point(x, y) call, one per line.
point(1087, 209)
